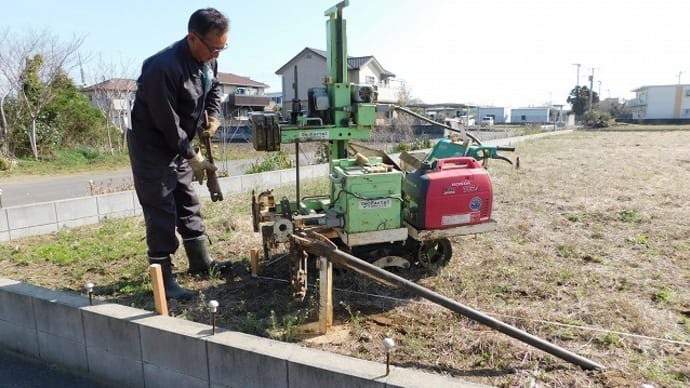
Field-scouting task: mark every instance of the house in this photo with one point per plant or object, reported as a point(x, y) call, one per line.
point(538, 115)
point(240, 95)
point(501, 115)
point(661, 104)
point(309, 69)
point(114, 98)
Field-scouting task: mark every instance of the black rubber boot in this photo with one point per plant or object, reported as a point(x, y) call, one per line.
point(200, 262)
point(172, 289)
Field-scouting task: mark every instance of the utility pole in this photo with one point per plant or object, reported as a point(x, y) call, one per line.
point(679, 74)
point(591, 89)
point(577, 83)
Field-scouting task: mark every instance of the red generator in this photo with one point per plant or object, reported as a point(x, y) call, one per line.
point(452, 192)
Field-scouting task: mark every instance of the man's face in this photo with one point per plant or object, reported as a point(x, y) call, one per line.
point(205, 48)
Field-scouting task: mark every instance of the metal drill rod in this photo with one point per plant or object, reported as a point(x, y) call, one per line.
point(318, 245)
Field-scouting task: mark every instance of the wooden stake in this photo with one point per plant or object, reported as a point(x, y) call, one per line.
point(254, 258)
point(158, 289)
point(325, 295)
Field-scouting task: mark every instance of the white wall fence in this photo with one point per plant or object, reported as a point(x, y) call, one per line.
point(48, 217)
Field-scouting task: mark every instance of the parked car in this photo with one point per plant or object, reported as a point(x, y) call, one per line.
point(233, 134)
point(487, 121)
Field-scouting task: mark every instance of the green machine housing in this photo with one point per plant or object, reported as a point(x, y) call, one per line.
point(367, 196)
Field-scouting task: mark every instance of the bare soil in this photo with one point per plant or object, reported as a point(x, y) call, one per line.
point(591, 253)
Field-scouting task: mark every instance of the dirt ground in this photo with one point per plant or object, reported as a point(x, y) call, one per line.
point(591, 253)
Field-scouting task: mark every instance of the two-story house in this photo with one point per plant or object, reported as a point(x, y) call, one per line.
point(661, 104)
point(114, 99)
point(309, 68)
point(241, 95)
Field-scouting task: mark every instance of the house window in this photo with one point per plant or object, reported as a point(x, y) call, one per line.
point(687, 92)
point(370, 80)
point(523, 117)
point(686, 113)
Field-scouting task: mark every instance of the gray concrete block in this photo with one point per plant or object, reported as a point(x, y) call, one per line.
point(4, 224)
point(157, 377)
point(119, 214)
point(18, 338)
point(317, 368)
point(115, 203)
point(231, 185)
point(31, 215)
point(16, 307)
point(175, 345)
point(63, 351)
point(250, 182)
point(286, 176)
point(112, 328)
point(75, 209)
point(270, 178)
point(4, 236)
point(33, 231)
point(241, 360)
point(60, 316)
point(113, 367)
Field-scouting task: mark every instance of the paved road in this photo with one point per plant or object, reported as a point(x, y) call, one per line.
point(17, 371)
point(33, 189)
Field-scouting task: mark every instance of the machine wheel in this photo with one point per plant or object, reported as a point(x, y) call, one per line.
point(434, 252)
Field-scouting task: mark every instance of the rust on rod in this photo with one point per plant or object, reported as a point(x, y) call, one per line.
point(319, 245)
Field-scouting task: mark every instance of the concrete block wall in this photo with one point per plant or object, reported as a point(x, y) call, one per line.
point(47, 217)
point(138, 348)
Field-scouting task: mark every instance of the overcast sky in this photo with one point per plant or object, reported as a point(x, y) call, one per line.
point(501, 52)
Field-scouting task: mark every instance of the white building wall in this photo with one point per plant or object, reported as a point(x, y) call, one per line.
point(660, 102)
point(501, 115)
point(531, 115)
point(311, 72)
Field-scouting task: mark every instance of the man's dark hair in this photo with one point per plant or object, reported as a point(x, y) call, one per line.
point(206, 20)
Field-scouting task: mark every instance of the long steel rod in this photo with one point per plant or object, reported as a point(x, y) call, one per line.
point(322, 248)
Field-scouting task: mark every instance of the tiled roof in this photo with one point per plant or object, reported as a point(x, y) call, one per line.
point(237, 80)
point(353, 63)
point(114, 84)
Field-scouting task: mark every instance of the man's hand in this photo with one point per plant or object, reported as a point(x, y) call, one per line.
point(210, 127)
point(200, 166)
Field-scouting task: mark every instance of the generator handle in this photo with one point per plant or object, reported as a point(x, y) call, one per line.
point(457, 162)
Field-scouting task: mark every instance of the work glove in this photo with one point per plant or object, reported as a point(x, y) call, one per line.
point(210, 128)
point(200, 166)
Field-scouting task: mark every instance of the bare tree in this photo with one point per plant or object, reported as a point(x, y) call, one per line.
point(49, 57)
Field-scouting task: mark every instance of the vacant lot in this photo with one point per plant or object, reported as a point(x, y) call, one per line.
point(592, 253)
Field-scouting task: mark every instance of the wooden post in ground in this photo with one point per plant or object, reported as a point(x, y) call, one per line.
point(325, 295)
point(158, 289)
point(254, 261)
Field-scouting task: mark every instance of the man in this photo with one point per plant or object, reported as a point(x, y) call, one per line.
point(177, 85)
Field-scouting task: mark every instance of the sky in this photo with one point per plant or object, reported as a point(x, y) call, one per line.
point(514, 53)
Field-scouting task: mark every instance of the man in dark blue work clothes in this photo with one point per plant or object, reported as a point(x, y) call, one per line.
point(177, 85)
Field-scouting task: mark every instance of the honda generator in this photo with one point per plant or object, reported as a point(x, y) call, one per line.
point(447, 193)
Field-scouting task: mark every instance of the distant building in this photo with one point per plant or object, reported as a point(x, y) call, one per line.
point(661, 104)
point(240, 95)
point(114, 98)
point(310, 69)
point(532, 115)
point(501, 115)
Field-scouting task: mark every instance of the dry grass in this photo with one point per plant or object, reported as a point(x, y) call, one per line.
point(593, 244)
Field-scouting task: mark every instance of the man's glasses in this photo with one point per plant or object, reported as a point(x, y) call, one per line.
point(212, 50)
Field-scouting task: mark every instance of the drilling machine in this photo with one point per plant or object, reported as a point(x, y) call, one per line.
point(372, 203)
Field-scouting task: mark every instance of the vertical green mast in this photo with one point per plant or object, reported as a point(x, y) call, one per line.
point(337, 83)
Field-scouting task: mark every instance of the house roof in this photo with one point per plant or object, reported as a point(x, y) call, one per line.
point(238, 80)
point(641, 88)
point(353, 63)
point(114, 84)
point(130, 85)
